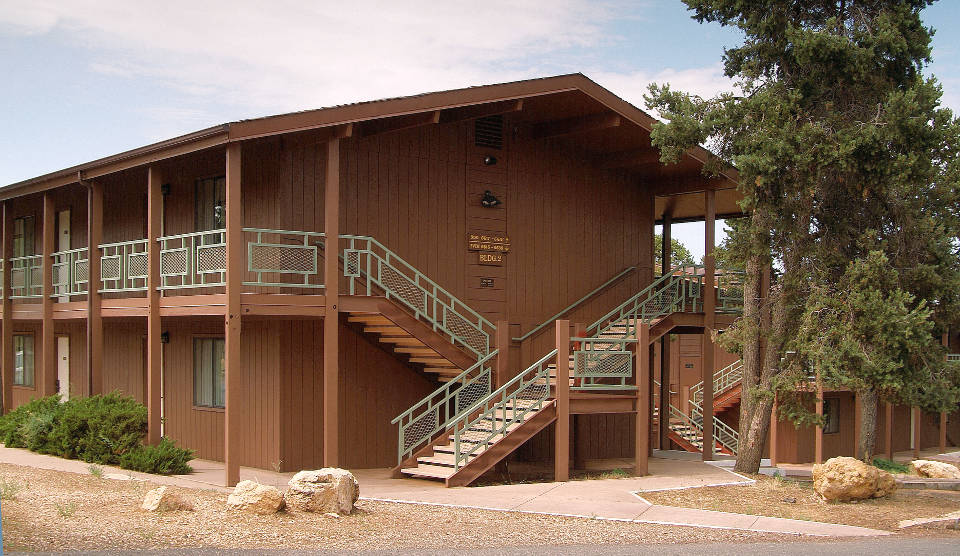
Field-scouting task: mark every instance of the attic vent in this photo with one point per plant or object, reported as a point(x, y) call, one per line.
point(488, 132)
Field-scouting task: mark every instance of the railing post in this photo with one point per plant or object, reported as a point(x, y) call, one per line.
point(502, 341)
point(154, 325)
point(6, 343)
point(562, 429)
point(233, 324)
point(48, 339)
point(94, 316)
point(642, 370)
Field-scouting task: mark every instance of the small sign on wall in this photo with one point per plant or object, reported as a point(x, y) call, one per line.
point(486, 282)
point(491, 259)
point(478, 241)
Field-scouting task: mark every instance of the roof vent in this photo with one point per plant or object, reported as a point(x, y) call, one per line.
point(488, 132)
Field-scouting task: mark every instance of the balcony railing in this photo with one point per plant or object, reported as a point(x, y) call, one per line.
point(26, 277)
point(124, 266)
point(284, 259)
point(194, 260)
point(71, 272)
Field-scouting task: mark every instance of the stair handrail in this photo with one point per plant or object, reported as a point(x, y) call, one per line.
point(534, 381)
point(461, 394)
point(443, 310)
point(621, 310)
point(575, 304)
point(723, 380)
point(724, 434)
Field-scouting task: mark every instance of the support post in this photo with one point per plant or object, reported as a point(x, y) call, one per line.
point(709, 321)
point(642, 370)
point(331, 322)
point(48, 341)
point(888, 431)
point(502, 341)
point(561, 460)
point(154, 327)
point(942, 445)
point(818, 435)
point(917, 418)
point(233, 363)
point(94, 298)
point(6, 333)
point(774, 425)
point(857, 423)
point(663, 418)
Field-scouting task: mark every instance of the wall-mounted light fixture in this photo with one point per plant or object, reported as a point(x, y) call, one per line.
point(165, 189)
point(489, 160)
point(165, 338)
point(489, 200)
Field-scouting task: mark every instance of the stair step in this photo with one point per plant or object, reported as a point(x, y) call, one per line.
point(433, 361)
point(429, 471)
point(386, 330)
point(400, 340)
point(445, 459)
point(415, 350)
point(369, 319)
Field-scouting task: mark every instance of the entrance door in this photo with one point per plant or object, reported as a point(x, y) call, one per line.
point(63, 366)
point(63, 238)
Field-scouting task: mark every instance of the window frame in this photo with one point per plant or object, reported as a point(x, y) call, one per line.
point(33, 361)
point(219, 185)
point(831, 415)
point(197, 403)
point(21, 246)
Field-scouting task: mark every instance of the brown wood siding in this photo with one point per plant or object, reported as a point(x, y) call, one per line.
point(124, 369)
point(22, 394)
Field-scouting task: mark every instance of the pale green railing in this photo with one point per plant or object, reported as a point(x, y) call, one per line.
point(26, 277)
point(602, 364)
point(370, 266)
point(437, 411)
point(124, 266)
point(729, 291)
point(575, 304)
point(71, 272)
point(953, 357)
point(284, 258)
point(510, 404)
point(723, 433)
point(723, 380)
point(194, 260)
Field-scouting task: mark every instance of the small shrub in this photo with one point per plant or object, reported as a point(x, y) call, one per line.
point(98, 429)
point(95, 470)
point(66, 510)
point(890, 466)
point(10, 489)
point(29, 420)
point(164, 458)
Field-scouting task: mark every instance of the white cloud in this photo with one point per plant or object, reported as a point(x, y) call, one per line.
point(708, 81)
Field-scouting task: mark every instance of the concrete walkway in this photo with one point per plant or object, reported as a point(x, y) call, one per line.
point(612, 499)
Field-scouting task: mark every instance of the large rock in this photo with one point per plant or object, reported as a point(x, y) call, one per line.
point(253, 497)
point(934, 469)
point(164, 500)
point(844, 479)
point(327, 490)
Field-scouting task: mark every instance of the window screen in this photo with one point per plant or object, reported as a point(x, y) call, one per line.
point(208, 372)
point(23, 360)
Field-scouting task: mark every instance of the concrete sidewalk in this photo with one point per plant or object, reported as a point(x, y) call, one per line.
point(611, 499)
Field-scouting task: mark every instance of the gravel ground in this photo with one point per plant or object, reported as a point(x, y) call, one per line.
point(53, 510)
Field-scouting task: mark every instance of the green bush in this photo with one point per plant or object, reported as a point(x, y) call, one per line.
point(107, 429)
point(890, 466)
point(164, 458)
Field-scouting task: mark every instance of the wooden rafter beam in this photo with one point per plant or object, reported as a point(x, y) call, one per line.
point(690, 184)
point(453, 115)
point(572, 126)
point(397, 123)
point(627, 159)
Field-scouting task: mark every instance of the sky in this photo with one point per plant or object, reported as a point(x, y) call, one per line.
point(89, 78)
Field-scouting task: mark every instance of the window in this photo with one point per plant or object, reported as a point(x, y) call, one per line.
point(23, 360)
point(208, 372)
point(211, 204)
point(831, 415)
point(23, 241)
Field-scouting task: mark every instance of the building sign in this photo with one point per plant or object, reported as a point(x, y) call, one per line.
point(492, 259)
point(486, 282)
point(479, 241)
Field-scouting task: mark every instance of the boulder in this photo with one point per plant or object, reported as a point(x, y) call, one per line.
point(934, 469)
point(843, 479)
point(327, 490)
point(253, 497)
point(164, 500)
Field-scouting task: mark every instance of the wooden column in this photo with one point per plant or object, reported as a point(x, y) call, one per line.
point(331, 322)
point(48, 342)
point(641, 365)
point(888, 432)
point(666, 255)
point(94, 316)
point(154, 327)
point(502, 342)
point(561, 459)
point(818, 435)
point(945, 340)
point(6, 332)
point(917, 417)
point(233, 386)
point(774, 422)
point(709, 321)
point(857, 423)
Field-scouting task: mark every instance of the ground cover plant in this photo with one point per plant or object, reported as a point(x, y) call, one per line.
point(104, 429)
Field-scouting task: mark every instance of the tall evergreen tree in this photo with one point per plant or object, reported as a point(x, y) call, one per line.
point(846, 160)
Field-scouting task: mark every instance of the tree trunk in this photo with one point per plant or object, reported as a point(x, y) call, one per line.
point(867, 443)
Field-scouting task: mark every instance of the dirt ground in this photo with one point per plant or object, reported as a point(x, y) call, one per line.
point(797, 500)
point(51, 510)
